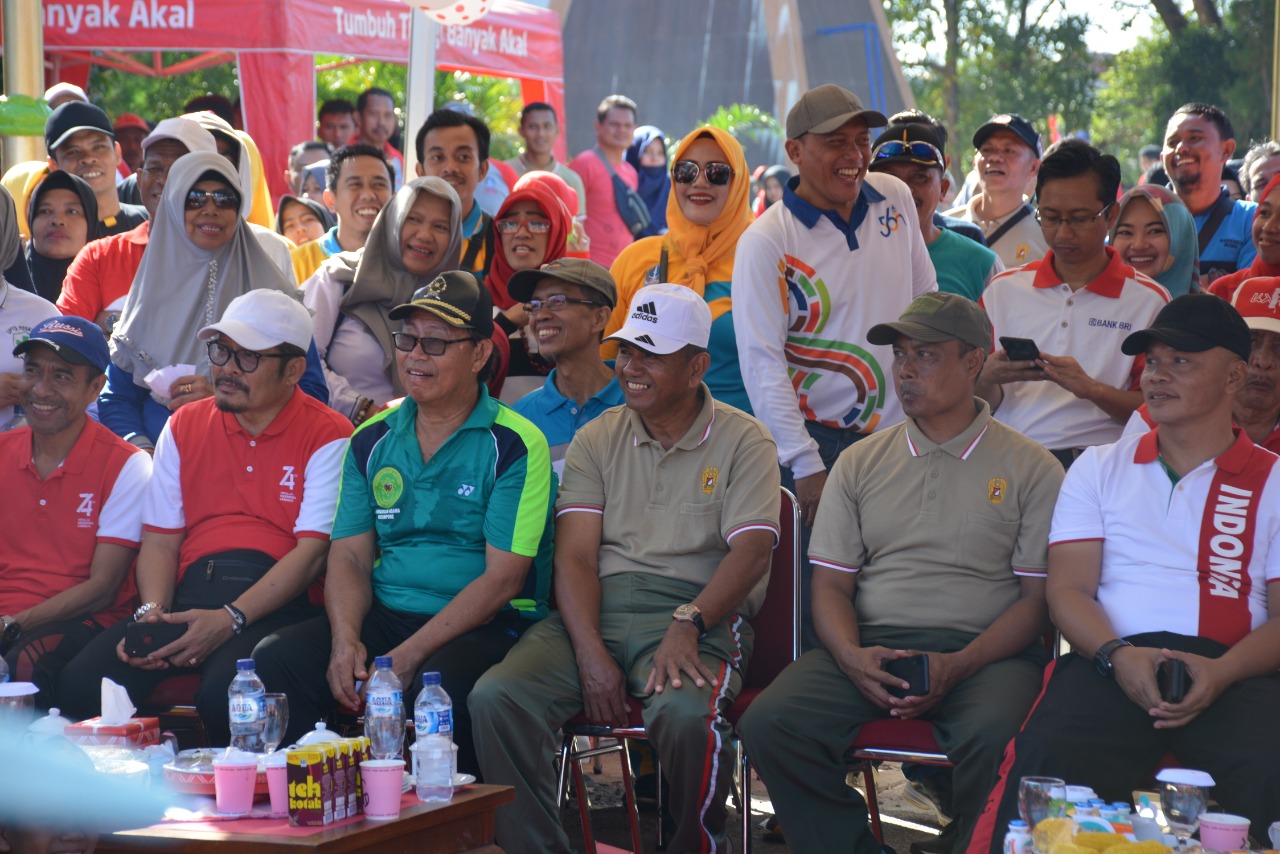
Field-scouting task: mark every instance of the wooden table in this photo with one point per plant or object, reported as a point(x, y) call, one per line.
point(462, 826)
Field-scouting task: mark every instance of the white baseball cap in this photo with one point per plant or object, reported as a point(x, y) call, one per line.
point(664, 318)
point(189, 133)
point(262, 319)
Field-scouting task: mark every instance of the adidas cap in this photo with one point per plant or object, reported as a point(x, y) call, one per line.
point(665, 318)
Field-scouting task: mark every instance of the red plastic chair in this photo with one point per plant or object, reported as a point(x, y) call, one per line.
point(777, 644)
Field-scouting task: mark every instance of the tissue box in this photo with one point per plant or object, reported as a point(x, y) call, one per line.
point(135, 732)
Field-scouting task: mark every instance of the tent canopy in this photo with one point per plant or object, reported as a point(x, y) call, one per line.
point(274, 44)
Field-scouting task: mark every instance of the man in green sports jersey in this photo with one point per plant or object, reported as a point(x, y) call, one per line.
point(441, 554)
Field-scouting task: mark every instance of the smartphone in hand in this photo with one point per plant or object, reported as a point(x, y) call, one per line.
point(141, 639)
point(1173, 680)
point(1020, 349)
point(914, 670)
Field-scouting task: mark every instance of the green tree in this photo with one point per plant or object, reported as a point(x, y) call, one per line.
point(156, 98)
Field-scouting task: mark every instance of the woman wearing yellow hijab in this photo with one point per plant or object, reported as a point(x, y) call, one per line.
point(707, 212)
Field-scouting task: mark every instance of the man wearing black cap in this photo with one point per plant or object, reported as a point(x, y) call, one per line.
point(980, 496)
point(82, 141)
point(914, 153)
point(1008, 155)
point(76, 489)
point(441, 553)
point(837, 232)
point(1162, 551)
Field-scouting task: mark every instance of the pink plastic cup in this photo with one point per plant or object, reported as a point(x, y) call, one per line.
point(233, 783)
point(1220, 831)
point(383, 785)
point(278, 786)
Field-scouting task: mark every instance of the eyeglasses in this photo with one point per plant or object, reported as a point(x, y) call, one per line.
point(511, 224)
point(922, 151)
point(686, 172)
point(224, 199)
point(431, 346)
point(1051, 222)
point(246, 360)
point(556, 302)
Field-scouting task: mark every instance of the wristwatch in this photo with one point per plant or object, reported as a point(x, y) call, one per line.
point(11, 630)
point(691, 614)
point(1102, 658)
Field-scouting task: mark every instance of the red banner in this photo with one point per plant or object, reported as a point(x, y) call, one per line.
point(513, 40)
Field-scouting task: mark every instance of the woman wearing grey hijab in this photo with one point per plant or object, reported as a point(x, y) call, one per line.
point(417, 236)
point(200, 257)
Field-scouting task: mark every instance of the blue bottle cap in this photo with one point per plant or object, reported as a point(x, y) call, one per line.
point(244, 664)
point(431, 678)
point(1017, 824)
point(382, 661)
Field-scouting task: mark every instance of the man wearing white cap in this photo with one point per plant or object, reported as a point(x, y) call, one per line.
point(665, 521)
point(236, 519)
point(99, 278)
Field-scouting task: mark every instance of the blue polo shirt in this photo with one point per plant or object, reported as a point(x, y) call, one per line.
point(1232, 246)
point(810, 214)
point(559, 417)
point(489, 484)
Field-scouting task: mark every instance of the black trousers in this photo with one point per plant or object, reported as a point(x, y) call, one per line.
point(1085, 730)
point(80, 683)
point(297, 659)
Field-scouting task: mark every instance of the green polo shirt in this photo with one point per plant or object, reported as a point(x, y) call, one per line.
point(489, 484)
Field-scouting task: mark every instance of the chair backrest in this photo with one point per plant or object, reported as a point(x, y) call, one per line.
point(777, 626)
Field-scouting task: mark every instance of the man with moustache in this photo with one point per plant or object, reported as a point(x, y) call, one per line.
point(236, 518)
point(1164, 547)
point(102, 273)
point(80, 487)
point(1198, 141)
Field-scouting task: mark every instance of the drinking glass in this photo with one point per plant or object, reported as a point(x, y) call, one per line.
point(1183, 803)
point(1040, 798)
point(276, 707)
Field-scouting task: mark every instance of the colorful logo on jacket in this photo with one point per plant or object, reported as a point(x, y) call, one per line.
point(826, 370)
point(388, 486)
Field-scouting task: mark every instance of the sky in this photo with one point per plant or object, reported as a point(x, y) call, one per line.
point(1107, 30)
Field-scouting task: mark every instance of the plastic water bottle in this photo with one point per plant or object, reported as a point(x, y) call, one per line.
point(244, 704)
point(384, 711)
point(1018, 839)
point(433, 731)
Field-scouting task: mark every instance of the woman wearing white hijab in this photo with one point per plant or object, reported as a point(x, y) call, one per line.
point(200, 257)
point(415, 238)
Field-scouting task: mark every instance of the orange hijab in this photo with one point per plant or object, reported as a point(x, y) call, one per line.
point(693, 249)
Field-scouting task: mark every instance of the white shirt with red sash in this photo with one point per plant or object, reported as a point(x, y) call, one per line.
point(1192, 557)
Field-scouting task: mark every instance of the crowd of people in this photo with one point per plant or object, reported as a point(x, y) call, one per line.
point(403, 415)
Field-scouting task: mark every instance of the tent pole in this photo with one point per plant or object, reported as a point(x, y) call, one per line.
point(420, 84)
point(23, 70)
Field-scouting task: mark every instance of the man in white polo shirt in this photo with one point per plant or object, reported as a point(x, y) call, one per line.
point(1076, 305)
point(1163, 549)
point(842, 252)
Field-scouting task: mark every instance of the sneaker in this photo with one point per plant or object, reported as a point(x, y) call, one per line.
point(924, 798)
point(940, 844)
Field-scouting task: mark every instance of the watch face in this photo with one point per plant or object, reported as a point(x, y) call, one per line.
point(685, 612)
point(12, 630)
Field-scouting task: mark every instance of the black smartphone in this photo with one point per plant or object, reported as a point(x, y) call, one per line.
point(143, 638)
point(1173, 680)
point(1020, 349)
point(914, 670)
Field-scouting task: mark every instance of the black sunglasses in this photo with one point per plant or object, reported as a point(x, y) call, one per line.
point(431, 346)
point(246, 360)
point(225, 199)
point(686, 172)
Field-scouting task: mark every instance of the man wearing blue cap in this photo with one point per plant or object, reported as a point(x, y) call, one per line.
point(78, 485)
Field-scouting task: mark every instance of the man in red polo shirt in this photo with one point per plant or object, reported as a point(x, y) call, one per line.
point(79, 487)
point(236, 519)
